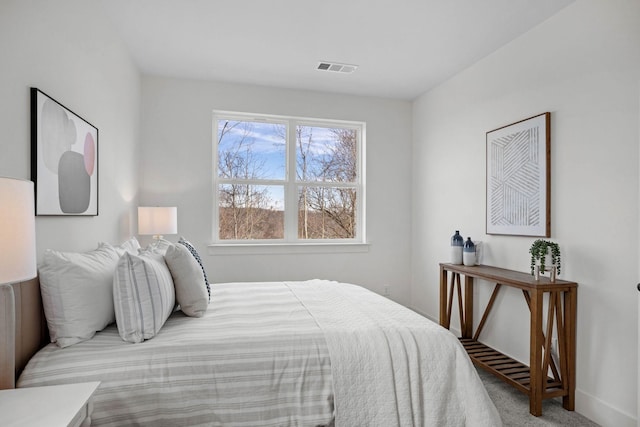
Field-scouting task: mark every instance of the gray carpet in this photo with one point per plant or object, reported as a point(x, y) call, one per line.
point(513, 407)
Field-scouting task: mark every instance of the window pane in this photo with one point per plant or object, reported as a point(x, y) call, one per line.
point(251, 150)
point(326, 213)
point(326, 154)
point(250, 211)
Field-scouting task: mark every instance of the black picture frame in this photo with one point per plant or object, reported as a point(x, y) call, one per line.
point(64, 159)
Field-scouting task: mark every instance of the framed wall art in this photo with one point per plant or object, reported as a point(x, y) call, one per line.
point(518, 178)
point(64, 159)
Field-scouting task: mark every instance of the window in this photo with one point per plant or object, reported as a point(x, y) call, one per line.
point(287, 180)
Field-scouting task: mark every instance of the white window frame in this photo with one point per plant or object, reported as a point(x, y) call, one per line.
point(291, 242)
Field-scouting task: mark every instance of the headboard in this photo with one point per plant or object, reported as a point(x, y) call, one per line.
point(23, 328)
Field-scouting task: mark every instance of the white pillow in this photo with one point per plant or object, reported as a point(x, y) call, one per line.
point(77, 293)
point(191, 291)
point(132, 245)
point(158, 246)
point(143, 296)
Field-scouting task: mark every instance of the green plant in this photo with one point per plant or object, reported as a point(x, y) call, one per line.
point(539, 249)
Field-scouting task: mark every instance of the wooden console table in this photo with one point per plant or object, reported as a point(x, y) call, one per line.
point(545, 379)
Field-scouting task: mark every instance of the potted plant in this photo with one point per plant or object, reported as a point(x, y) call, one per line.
point(539, 250)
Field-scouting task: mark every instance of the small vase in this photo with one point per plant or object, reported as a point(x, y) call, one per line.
point(457, 243)
point(548, 260)
point(469, 253)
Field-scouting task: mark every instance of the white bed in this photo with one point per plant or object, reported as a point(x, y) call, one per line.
point(278, 354)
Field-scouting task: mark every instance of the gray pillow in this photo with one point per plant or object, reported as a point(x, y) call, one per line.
point(195, 254)
point(191, 292)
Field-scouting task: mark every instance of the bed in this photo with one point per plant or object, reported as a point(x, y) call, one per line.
point(312, 353)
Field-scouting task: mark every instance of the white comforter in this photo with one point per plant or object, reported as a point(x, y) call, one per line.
point(391, 366)
point(279, 354)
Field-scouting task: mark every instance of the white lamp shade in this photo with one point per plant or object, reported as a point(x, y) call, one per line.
point(157, 220)
point(17, 231)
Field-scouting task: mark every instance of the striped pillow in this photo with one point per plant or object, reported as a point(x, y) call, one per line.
point(143, 295)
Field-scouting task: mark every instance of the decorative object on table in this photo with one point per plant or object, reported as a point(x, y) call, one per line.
point(518, 178)
point(64, 159)
point(457, 243)
point(479, 251)
point(17, 231)
point(157, 221)
point(469, 253)
point(545, 256)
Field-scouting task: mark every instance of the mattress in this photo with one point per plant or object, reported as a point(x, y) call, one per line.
point(308, 353)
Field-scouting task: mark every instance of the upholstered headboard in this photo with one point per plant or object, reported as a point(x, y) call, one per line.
point(23, 328)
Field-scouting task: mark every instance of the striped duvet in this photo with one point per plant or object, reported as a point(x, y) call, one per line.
point(278, 354)
point(257, 358)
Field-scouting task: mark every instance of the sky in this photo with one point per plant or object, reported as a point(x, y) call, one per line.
point(267, 144)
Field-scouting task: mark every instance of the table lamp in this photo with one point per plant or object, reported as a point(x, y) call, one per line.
point(17, 231)
point(157, 221)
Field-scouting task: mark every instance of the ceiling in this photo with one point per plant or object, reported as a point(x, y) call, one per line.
point(402, 47)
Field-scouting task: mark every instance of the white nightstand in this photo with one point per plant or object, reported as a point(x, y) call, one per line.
point(53, 406)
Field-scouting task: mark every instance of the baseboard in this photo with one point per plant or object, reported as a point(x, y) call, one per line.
point(601, 412)
point(590, 406)
point(424, 315)
point(454, 330)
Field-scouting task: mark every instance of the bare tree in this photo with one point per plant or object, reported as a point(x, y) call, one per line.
point(326, 211)
point(326, 166)
point(243, 208)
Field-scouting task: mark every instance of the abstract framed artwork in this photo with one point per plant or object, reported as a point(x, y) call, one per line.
point(64, 159)
point(518, 178)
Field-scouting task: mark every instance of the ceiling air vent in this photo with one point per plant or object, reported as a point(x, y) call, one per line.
point(336, 67)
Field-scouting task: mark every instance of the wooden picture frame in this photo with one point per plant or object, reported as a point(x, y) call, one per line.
point(64, 159)
point(518, 178)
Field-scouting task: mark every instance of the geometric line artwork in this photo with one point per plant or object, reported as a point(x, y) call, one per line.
point(516, 175)
point(517, 178)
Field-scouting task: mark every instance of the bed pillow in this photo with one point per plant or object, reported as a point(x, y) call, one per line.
point(195, 254)
point(191, 291)
point(158, 246)
point(143, 296)
point(77, 293)
point(132, 246)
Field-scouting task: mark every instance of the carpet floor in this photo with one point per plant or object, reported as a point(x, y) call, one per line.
point(513, 407)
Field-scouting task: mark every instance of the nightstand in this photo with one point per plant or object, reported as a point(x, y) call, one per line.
point(52, 406)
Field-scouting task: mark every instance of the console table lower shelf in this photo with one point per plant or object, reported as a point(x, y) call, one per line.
point(507, 369)
point(549, 374)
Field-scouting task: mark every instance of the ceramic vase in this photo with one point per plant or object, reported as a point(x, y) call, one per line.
point(457, 244)
point(469, 253)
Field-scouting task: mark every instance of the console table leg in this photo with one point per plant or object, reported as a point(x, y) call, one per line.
point(570, 305)
point(535, 349)
point(444, 321)
point(467, 328)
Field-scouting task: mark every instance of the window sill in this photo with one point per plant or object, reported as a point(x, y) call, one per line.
point(286, 248)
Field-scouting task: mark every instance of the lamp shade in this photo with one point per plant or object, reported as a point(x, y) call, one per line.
point(157, 220)
point(17, 231)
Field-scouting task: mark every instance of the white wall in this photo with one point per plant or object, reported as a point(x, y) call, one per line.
point(66, 49)
point(177, 167)
point(582, 65)
point(638, 262)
